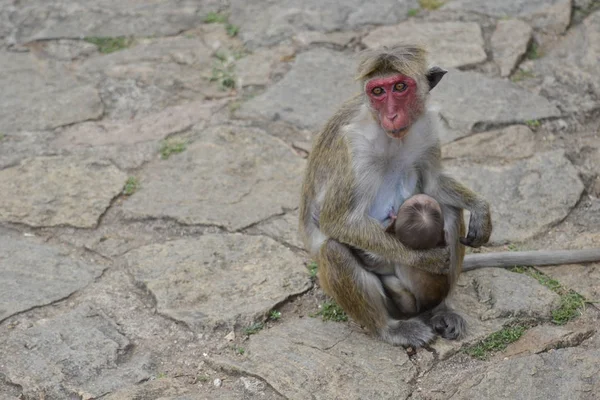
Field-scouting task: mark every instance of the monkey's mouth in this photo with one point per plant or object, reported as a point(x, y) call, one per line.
point(398, 133)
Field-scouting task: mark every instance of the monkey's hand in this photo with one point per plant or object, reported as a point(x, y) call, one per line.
point(435, 261)
point(480, 227)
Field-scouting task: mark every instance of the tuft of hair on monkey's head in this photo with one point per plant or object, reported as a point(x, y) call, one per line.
point(407, 59)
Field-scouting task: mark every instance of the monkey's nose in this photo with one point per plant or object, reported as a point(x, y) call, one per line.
point(393, 117)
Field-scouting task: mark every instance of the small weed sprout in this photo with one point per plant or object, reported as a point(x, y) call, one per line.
point(108, 45)
point(330, 311)
point(254, 328)
point(171, 146)
point(431, 4)
point(215, 18)
point(275, 315)
point(495, 342)
point(131, 186)
point(312, 269)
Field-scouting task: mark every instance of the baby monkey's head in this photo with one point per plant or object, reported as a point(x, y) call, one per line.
point(420, 223)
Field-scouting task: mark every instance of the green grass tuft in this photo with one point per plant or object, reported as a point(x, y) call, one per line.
point(533, 123)
point(431, 4)
point(232, 30)
point(131, 186)
point(534, 52)
point(312, 269)
point(330, 311)
point(171, 146)
point(413, 12)
point(254, 328)
point(108, 45)
point(275, 315)
point(215, 18)
point(497, 341)
point(571, 305)
point(521, 75)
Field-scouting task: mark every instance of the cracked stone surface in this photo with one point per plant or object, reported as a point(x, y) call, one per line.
point(38, 94)
point(230, 176)
point(266, 22)
point(155, 292)
point(567, 73)
point(548, 15)
point(192, 279)
point(561, 374)
point(40, 19)
point(516, 189)
point(324, 359)
point(509, 44)
point(35, 274)
point(83, 346)
point(450, 44)
point(319, 80)
point(471, 101)
point(50, 191)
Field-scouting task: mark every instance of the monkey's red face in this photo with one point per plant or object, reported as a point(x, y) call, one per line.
point(395, 100)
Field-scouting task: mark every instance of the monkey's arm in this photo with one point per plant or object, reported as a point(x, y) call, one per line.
point(451, 192)
point(530, 258)
point(363, 232)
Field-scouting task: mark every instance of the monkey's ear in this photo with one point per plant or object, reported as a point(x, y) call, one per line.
point(434, 76)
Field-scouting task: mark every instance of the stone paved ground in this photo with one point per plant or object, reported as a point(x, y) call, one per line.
point(149, 189)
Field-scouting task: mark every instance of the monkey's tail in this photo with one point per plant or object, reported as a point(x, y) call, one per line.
point(530, 258)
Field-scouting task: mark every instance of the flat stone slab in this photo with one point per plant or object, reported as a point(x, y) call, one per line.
point(450, 44)
point(231, 176)
point(63, 19)
point(39, 94)
point(51, 191)
point(514, 142)
point(266, 22)
point(470, 101)
point(509, 44)
point(153, 74)
point(151, 127)
point(308, 95)
point(489, 298)
point(218, 279)
point(283, 228)
point(563, 374)
point(569, 72)
point(552, 16)
point(316, 359)
point(79, 353)
point(527, 196)
point(34, 274)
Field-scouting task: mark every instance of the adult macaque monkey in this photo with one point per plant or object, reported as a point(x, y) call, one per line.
point(378, 150)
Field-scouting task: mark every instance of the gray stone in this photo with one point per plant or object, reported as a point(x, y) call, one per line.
point(16, 146)
point(509, 295)
point(230, 176)
point(502, 146)
point(50, 191)
point(564, 374)
point(471, 101)
point(39, 94)
point(218, 279)
point(266, 22)
point(341, 39)
point(34, 274)
point(509, 44)
point(543, 338)
point(80, 353)
point(151, 127)
point(65, 49)
point(450, 44)
point(316, 359)
point(552, 16)
point(517, 190)
point(308, 95)
point(152, 74)
point(255, 69)
point(283, 228)
point(570, 70)
point(584, 279)
point(60, 19)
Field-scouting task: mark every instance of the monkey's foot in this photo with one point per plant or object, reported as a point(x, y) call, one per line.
point(412, 332)
point(448, 324)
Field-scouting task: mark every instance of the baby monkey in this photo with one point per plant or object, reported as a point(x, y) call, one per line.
point(418, 225)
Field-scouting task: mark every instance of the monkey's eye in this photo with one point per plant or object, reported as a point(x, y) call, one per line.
point(377, 91)
point(399, 87)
